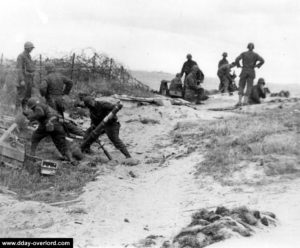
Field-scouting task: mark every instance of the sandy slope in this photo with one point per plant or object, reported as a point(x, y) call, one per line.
point(119, 209)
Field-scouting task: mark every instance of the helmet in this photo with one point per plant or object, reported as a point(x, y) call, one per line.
point(261, 81)
point(195, 68)
point(49, 66)
point(178, 74)
point(250, 45)
point(32, 102)
point(224, 54)
point(28, 44)
point(189, 56)
point(88, 101)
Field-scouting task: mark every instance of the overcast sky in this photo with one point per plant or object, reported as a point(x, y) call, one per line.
point(157, 34)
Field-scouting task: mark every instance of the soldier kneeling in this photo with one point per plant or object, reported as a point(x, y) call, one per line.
point(257, 92)
point(49, 125)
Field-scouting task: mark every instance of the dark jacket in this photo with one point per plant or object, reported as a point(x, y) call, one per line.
point(249, 60)
point(100, 111)
point(223, 61)
point(224, 71)
point(255, 95)
point(55, 84)
point(42, 113)
point(187, 67)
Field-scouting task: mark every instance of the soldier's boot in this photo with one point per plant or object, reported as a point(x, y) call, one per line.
point(125, 152)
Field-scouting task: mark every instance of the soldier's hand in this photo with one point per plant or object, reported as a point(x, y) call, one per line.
point(22, 83)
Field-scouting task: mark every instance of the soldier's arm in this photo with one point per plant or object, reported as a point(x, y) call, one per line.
point(182, 69)
point(68, 85)
point(260, 61)
point(237, 60)
point(44, 87)
point(105, 105)
point(21, 67)
point(36, 115)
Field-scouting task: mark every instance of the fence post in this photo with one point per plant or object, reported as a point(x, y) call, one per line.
point(40, 72)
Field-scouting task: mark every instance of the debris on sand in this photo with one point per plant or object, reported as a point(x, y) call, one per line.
point(208, 227)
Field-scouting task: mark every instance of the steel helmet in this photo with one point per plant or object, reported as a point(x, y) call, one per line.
point(261, 81)
point(49, 66)
point(224, 54)
point(88, 101)
point(28, 45)
point(32, 102)
point(250, 45)
point(189, 56)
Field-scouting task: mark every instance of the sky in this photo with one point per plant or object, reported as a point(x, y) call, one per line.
point(156, 35)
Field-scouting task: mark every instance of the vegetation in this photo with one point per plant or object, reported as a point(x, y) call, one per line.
point(269, 139)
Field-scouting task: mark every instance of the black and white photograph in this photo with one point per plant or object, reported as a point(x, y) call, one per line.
point(150, 124)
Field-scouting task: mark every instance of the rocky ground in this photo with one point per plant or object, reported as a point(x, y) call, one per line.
point(157, 197)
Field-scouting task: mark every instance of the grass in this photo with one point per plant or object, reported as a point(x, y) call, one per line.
point(268, 138)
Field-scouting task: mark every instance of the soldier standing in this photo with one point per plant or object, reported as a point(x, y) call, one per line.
point(49, 125)
point(98, 111)
point(54, 87)
point(26, 69)
point(223, 61)
point(187, 66)
point(249, 59)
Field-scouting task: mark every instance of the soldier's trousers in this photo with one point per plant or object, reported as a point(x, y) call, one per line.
point(24, 92)
point(58, 136)
point(246, 77)
point(112, 132)
point(224, 84)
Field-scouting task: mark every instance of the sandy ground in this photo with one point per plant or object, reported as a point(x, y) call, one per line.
point(157, 197)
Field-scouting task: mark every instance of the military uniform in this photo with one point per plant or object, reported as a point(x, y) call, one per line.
point(225, 77)
point(247, 75)
point(112, 128)
point(49, 125)
point(53, 87)
point(256, 93)
point(187, 67)
point(26, 69)
point(192, 89)
point(222, 62)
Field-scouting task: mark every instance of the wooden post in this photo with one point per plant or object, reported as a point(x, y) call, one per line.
point(72, 64)
point(40, 69)
point(110, 68)
point(94, 65)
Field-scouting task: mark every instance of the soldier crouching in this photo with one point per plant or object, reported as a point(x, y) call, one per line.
point(49, 125)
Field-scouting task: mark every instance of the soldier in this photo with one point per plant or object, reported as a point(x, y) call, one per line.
point(26, 69)
point(54, 87)
point(175, 89)
point(98, 111)
point(193, 86)
point(187, 66)
point(225, 76)
point(223, 61)
point(257, 92)
point(247, 75)
point(49, 125)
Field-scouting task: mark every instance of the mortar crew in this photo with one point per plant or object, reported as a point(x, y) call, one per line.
point(25, 69)
point(54, 86)
point(192, 86)
point(223, 61)
point(224, 73)
point(49, 125)
point(257, 92)
point(250, 60)
point(176, 83)
point(98, 111)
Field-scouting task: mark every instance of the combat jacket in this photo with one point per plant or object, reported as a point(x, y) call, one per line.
point(55, 84)
point(25, 66)
point(176, 84)
point(249, 60)
point(224, 70)
point(187, 67)
point(191, 82)
point(255, 95)
point(222, 62)
point(100, 111)
point(42, 113)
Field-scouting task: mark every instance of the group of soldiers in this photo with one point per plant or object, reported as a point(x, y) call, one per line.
point(194, 77)
point(49, 114)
